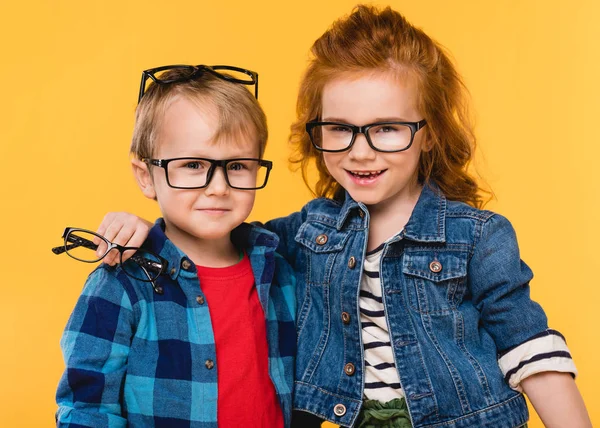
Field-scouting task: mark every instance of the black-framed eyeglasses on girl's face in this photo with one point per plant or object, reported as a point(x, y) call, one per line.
point(387, 137)
point(81, 244)
point(196, 173)
point(182, 73)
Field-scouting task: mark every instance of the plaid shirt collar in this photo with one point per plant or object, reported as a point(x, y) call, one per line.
point(258, 243)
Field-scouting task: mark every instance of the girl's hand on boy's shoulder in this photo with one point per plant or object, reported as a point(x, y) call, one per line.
point(125, 229)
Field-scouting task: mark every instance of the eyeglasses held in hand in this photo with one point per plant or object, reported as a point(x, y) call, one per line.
point(164, 75)
point(196, 173)
point(81, 244)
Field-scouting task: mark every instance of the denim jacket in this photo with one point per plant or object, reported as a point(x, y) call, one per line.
point(456, 295)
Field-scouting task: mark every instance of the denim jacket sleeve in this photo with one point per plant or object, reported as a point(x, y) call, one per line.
point(95, 346)
point(287, 228)
point(499, 281)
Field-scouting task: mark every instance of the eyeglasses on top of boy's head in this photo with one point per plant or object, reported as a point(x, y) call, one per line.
point(81, 244)
point(164, 75)
point(196, 173)
point(387, 137)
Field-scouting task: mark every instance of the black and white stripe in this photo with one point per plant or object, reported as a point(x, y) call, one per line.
point(546, 351)
point(381, 378)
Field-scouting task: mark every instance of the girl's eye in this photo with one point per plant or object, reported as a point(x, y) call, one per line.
point(387, 128)
point(337, 128)
point(340, 129)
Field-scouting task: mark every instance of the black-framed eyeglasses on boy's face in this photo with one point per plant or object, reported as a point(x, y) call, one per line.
point(387, 137)
point(196, 173)
point(161, 75)
point(81, 244)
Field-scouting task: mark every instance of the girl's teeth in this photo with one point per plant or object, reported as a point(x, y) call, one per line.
point(366, 174)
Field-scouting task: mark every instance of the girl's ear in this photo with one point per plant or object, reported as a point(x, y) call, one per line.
point(427, 143)
point(143, 178)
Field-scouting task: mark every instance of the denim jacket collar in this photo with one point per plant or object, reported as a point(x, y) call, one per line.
point(253, 239)
point(427, 221)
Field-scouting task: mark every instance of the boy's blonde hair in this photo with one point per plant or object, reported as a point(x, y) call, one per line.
point(371, 40)
point(238, 113)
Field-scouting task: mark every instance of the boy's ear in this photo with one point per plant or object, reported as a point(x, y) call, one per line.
point(143, 178)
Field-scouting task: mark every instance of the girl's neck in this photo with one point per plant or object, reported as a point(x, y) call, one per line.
point(389, 217)
point(204, 252)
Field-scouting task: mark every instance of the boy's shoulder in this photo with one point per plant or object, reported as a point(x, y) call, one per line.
point(113, 285)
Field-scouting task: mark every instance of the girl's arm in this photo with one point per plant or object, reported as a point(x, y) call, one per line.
point(532, 357)
point(124, 229)
point(556, 400)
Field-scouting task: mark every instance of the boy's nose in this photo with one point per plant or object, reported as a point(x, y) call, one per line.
point(361, 150)
point(218, 184)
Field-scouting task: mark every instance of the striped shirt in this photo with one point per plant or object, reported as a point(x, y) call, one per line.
point(546, 351)
point(381, 377)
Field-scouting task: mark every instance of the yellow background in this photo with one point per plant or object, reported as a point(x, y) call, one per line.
point(69, 79)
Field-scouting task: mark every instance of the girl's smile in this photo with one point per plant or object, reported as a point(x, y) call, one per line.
point(380, 180)
point(366, 178)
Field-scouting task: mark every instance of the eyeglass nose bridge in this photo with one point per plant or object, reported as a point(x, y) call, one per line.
point(211, 171)
point(364, 130)
point(71, 237)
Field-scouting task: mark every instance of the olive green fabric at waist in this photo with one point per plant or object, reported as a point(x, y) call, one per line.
point(393, 414)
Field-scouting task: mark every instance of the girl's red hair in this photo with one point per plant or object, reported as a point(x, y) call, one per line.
point(371, 40)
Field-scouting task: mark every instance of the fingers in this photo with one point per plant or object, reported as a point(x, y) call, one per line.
point(124, 229)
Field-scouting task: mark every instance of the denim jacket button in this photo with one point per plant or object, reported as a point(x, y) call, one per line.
point(321, 239)
point(200, 300)
point(361, 214)
point(339, 410)
point(209, 364)
point(346, 318)
point(185, 264)
point(435, 266)
point(351, 262)
point(349, 369)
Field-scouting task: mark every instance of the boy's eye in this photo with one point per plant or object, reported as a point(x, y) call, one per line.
point(192, 165)
point(236, 166)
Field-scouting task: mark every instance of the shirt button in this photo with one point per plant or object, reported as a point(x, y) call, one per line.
point(435, 266)
point(351, 262)
point(200, 300)
point(346, 318)
point(339, 410)
point(185, 264)
point(321, 239)
point(173, 270)
point(349, 369)
point(209, 364)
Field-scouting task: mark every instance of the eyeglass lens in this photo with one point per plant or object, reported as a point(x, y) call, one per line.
point(82, 245)
point(194, 173)
point(385, 137)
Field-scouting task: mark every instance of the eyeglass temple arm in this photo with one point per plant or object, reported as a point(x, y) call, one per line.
point(77, 242)
point(145, 263)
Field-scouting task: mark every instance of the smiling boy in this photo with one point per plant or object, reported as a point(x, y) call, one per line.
point(214, 340)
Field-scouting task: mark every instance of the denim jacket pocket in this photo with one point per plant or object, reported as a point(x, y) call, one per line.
point(436, 281)
point(322, 243)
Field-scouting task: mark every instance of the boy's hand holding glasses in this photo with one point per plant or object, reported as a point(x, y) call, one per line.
point(90, 247)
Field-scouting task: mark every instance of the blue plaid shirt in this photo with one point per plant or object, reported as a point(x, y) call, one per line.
point(137, 358)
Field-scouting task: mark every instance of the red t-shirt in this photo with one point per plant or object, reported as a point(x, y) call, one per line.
point(247, 397)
